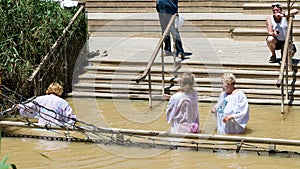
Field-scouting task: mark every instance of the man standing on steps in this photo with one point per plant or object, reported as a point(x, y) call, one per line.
point(165, 9)
point(277, 25)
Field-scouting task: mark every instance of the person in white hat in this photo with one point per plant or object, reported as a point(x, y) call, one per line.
point(277, 25)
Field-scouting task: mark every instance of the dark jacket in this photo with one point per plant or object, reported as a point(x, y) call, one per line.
point(167, 6)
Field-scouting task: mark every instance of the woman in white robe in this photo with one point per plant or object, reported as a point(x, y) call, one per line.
point(182, 109)
point(232, 108)
point(49, 108)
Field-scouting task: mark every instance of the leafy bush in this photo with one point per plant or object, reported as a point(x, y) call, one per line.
point(3, 164)
point(28, 30)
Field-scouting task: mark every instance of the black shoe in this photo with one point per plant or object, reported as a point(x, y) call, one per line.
point(272, 59)
point(181, 56)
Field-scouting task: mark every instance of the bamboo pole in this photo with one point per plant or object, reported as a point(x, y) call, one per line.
point(207, 137)
point(211, 137)
point(26, 125)
point(8, 111)
point(55, 45)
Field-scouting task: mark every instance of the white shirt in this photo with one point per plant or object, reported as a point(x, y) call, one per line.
point(281, 27)
point(182, 112)
point(235, 104)
point(50, 109)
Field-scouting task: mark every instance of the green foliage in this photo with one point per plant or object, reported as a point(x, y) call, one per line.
point(28, 30)
point(3, 164)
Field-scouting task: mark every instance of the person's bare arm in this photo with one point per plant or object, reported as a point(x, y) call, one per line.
point(269, 26)
point(294, 11)
point(270, 30)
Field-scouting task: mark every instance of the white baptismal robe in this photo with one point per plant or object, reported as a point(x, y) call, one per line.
point(235, 104)
point(182, 113)
point(49, 109)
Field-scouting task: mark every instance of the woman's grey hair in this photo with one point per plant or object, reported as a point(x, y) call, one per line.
point(187, 83)
point(229, 78)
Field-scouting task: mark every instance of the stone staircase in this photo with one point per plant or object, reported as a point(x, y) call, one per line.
point(115, 78)
point(185, 6)
point(237, 19)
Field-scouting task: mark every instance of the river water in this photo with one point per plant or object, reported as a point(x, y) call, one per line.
point(265, 121)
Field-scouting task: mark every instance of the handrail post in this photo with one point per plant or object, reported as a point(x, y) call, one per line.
point(284, 65)
point(162, 70)
point(282, 97)
point(290, 58)
point(287, 72)
point(287, 76)
point(289, 61)
point(287, 58)
point(174, 45)
point(150, 89)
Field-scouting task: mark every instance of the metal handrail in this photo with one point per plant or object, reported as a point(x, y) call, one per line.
point(285, 53)
point(147, 70)
point(154, 55)
point(285, 64)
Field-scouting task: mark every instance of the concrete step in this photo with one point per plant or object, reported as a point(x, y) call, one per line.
point(158, 97)
point(202, 91)
point(201, 72)
point(185, 6)
point(246, 34)
point(149, 6)
point(115, 75)
point(230, 25)
point(263, 8)
point(99, 61)
point(128, 88)
point(257, 84)
point(200, 81)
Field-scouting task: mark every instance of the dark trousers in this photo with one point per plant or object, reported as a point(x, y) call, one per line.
point(164, 21)
point(280, 46)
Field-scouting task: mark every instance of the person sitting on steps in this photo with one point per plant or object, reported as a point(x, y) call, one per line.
point(277, 25)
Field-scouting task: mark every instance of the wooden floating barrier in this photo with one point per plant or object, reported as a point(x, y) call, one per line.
point(29, 125)
point(131, 132)
point(213, 137)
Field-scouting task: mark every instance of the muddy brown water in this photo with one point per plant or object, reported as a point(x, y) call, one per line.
point(265, 121)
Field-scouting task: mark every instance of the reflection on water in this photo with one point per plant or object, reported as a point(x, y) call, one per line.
point(265, 121)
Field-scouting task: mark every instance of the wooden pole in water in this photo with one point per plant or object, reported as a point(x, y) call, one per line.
point(150, 133)
point(209, 137)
